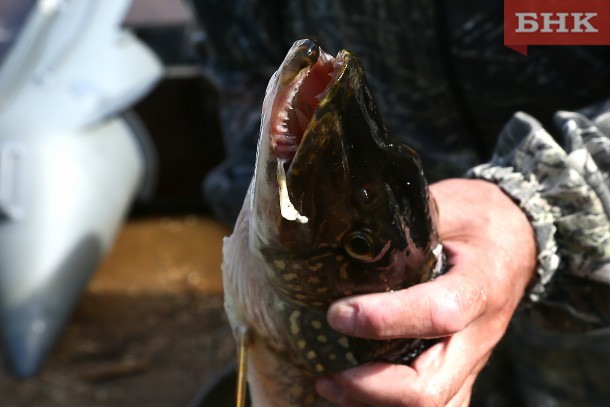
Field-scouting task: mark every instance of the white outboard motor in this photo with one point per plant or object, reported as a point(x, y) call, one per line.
point(71, 163)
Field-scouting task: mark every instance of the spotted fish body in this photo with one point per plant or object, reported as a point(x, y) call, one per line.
point(336, 207)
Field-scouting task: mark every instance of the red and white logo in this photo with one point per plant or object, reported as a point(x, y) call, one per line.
point(555, 22)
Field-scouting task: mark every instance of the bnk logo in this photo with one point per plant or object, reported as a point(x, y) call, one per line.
point(553, 22)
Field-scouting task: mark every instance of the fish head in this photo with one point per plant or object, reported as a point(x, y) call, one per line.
point(339, 206)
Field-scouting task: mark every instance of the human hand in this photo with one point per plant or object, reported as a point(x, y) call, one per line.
point(491, 247)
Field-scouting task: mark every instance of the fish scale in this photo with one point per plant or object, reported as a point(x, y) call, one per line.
point(318, 348)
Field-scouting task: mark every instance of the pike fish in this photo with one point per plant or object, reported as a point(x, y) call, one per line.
point(336, 207)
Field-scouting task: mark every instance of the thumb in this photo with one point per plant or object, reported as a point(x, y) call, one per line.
point(437, 308)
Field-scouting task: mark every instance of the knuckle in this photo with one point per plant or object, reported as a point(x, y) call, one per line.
point(461, 305)
point(448, 315)
point(372, 324)
point(423, 400)
point(432, 396)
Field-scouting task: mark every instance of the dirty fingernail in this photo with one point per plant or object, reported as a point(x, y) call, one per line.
point(328, 388)
point(342, 318)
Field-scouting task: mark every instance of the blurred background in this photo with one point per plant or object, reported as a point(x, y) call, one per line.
point(149, 328)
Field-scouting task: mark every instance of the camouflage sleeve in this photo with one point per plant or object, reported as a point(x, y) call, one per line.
point(240, 53)
point(242, 49)
point(562, 185)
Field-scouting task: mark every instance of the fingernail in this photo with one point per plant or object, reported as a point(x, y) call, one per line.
point(328, 388)
point(342, 317)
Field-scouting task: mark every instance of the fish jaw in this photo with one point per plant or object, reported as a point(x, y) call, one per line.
point(291, 99)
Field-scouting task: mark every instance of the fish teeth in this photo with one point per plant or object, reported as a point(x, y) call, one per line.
point(282, 128)
point(300, 78)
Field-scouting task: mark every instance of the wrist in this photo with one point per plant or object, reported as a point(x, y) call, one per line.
point(525, 192)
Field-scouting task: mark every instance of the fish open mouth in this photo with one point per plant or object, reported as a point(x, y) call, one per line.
point(304, 81)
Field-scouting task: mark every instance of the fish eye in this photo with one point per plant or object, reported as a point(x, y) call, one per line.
point(360, 245)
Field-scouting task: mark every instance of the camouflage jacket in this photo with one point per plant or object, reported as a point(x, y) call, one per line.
point(447, 86)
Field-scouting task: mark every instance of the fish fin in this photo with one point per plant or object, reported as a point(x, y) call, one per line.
point(243, 341)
